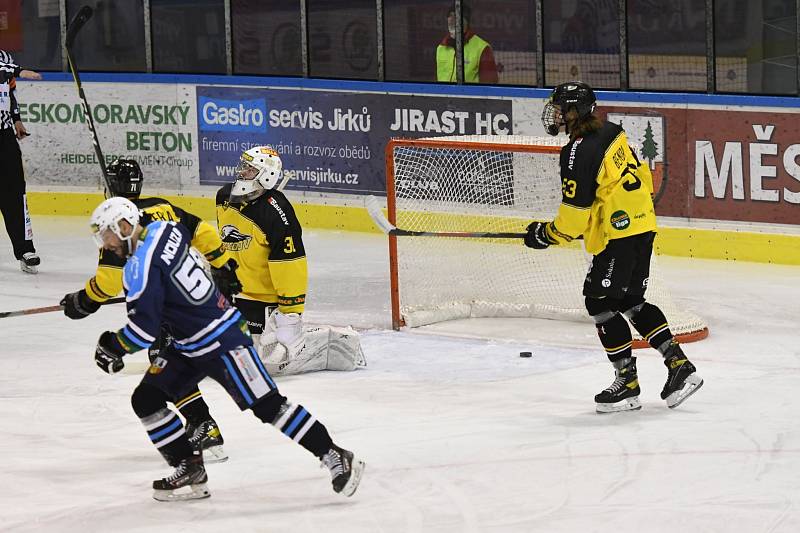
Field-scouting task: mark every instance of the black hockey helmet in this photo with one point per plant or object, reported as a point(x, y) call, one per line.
point(570, 94)
point(125, 178)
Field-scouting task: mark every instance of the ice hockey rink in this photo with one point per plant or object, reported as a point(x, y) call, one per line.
point(459, 433)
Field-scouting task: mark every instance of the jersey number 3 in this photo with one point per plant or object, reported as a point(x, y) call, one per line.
point(192, 278)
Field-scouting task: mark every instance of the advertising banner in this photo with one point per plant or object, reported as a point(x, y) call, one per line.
point(719, 164)
point(329, 141)
point(153, 124)
point(714, 163)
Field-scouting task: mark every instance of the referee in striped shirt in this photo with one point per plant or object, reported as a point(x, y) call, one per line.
point(13, 203)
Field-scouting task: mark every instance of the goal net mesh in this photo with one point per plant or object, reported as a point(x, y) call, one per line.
point(488, 184)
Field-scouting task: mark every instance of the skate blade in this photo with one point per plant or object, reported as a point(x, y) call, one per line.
point(214, 454)
point(355, 478)
point(28, 269)
point(628, 404)
point(690, 386)
point(196, 492)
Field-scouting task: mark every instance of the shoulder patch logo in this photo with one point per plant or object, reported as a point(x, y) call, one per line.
point(620, 220)
point(234, 240)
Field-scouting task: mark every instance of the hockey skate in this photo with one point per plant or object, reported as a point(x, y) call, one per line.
point(623, 393)
point(346, 471)
point(682, 379)
point(190, 473)
point(207, 439)
point(30, 263)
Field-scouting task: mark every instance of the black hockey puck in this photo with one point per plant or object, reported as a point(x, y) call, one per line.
point(525, 354)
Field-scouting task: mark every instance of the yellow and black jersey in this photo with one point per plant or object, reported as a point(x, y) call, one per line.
point(266, 240)
point(107, 281)
point(606, 191)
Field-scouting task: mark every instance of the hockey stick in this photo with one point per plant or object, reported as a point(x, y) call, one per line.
point(374, 210)
point(51, 308)
point(83, 15)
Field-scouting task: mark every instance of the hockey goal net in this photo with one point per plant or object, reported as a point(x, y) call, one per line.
point(488, 184)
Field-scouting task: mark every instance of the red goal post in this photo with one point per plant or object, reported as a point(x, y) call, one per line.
point(488, 184)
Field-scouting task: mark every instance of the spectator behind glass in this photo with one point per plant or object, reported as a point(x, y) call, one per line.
point(479, 65)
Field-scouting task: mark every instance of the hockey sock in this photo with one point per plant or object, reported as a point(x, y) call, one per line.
point(615, 336)
point(163, 425)
point(651, 324)
point(168, 436)
point(193, 408)
point(301, 426)
point(294, 422)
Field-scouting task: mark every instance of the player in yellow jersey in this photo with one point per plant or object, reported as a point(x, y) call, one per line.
point(260, 229)
point(607, 200)
point(126, 179)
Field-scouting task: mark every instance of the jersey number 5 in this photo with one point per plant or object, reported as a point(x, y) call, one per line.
point(192, 278)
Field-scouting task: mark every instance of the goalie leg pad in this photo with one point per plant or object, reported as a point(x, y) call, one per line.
point(326, 348)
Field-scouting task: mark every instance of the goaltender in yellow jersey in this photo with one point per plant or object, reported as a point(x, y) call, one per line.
point(260, 229)
point(266, 239)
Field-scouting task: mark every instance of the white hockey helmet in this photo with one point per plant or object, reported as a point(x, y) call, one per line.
point(109, 214)
point(260, 169)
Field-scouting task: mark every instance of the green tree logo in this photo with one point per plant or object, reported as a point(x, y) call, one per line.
point(649, 146)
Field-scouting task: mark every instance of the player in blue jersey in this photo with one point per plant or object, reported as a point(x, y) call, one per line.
point(165, 282)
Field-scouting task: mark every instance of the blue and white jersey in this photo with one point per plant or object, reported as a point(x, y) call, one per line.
point(165, 282)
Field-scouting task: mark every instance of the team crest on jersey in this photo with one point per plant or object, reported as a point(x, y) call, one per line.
point(647, 135)
point(133, 261)
point(234, 240)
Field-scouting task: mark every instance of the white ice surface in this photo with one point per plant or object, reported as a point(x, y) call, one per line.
point(459, 434)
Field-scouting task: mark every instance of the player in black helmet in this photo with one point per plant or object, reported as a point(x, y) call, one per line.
point(125, 180)
point(607, 199)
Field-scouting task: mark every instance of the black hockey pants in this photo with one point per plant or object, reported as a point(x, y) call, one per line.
point(13, 203)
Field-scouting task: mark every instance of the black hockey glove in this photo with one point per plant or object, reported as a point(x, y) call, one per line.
point(109, 352)
point(78, 305)
point(226, 280)
point(162, 342)
point(537, 236)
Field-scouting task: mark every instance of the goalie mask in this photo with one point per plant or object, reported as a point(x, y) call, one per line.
point(125, 178)
point(259, 170)
point(571, 94)
point(106, 220)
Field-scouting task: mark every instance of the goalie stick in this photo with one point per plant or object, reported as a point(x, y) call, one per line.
point(51, 308)
point(83, 15)
point(374, 210)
